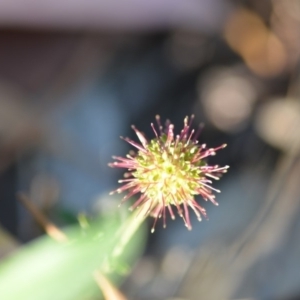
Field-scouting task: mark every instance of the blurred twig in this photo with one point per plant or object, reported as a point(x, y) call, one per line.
point(52, 230)
point(109, 291)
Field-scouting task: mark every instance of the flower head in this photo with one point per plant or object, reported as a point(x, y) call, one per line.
point(169, 171)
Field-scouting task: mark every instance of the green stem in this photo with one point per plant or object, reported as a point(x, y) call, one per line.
point(129, 228)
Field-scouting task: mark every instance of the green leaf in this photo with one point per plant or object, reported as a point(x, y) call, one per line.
point(47, 270)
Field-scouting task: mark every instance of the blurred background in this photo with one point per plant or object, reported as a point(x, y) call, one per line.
point(74, 75)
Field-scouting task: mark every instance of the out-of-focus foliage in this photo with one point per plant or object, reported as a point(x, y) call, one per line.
point(45, 269)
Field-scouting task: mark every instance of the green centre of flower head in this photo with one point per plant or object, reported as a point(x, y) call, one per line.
point(168, 173)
